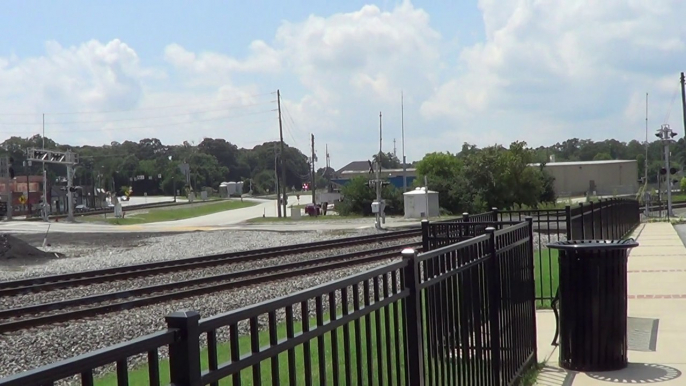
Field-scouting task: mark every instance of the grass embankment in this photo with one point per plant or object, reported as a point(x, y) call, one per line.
point(139, 376)
point(171, 213)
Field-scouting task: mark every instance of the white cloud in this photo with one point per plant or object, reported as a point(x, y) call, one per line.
point(578, 65)
point(546, 71)
point(92, 76)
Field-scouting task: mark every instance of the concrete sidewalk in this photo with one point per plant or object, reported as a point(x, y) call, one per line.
point(657, 318)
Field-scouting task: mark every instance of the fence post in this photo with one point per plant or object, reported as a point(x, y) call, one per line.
point(425, 235)
point(495, 214)
point(532, 288)
point(413, 318)
point(465, 217)
point(184, 354)
point(494, 306)
point(583, 225)
point(613, 220)
point(568, 221)
point(601, 209)
point(592, 220)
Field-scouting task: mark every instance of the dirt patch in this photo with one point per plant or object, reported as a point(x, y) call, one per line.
point(17, 250)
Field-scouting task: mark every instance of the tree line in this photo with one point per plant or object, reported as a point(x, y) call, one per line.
point(116, 166)
point(470, 180)
point(475, 179)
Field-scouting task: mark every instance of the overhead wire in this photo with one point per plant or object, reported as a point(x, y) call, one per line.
point(139, 109)
point(232, 107)
point(151, 126)
point(671, 105)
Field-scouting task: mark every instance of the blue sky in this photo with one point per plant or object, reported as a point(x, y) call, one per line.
point(484, 72)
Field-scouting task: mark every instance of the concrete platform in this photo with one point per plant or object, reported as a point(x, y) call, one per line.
point(657, 315)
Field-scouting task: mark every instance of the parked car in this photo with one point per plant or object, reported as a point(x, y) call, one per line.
point(313, 210)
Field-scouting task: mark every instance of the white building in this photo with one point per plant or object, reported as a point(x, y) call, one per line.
point(417, 201)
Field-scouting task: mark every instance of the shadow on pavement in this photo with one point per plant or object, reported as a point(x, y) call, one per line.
point(638, 373)
point(555, 376)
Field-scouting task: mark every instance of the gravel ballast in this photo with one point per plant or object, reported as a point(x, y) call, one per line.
point(123, 285)
point(114, 250)
point(27, 349)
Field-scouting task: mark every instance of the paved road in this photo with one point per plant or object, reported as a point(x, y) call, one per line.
point(222, 220)
point(232, 219)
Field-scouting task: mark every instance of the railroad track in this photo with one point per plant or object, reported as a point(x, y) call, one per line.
point(64, 310)
point(76, 279)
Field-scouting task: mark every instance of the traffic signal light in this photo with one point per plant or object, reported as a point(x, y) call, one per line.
point(663, 171)
point(672, 170)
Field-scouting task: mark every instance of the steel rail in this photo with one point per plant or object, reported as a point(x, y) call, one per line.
point(180, 290)
point(45, 283)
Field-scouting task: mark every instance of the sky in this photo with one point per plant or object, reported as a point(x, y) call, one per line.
point(484, 72)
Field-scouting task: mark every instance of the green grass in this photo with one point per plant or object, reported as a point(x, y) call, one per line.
point(546, 268)
point(139, 376)
point(365, 353)
point(171, 213)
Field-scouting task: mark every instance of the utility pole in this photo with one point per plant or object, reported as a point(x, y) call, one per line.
point(402, 128)
point(395, 154)
point(313, 184)
point(276, 177)
point(5, 166)
point(666, 135)
point(70, 194)
point(328, 166)
point(284, 185)
point(646, 194)
point(45, 180)
point(683, 99)
point(378, 178)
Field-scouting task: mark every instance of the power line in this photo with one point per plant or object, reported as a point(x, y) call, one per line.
point(669, 110)
point(141, 109)
point(288, 129)
point(136, 119)
point(150, 126)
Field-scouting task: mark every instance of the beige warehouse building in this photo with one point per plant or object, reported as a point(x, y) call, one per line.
point(605, 178)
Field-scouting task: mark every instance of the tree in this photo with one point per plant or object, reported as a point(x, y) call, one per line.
point(388, 161)
point(358, 197)
point(225, 152)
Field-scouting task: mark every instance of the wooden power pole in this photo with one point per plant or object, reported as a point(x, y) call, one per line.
point(314, 175)
point(683, 99)
point(284, 185)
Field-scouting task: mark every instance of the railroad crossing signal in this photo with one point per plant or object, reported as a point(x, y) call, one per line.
point(52, 156)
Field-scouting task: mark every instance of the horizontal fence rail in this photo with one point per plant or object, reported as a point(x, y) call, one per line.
point(478, 297)
point(83, 366)
point(459, 314)
point(612, 218)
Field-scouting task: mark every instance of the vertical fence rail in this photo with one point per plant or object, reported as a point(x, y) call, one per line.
point(462, 312)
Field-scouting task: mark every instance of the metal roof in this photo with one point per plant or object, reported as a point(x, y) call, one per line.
point(586, 163)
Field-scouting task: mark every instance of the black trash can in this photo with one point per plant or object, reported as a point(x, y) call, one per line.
point(593, 304)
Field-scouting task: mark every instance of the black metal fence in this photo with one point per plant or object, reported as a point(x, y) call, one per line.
point(381, 326)
point(612, 218)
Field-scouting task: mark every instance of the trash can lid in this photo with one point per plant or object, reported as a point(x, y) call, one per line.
point(593, 244)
